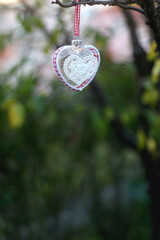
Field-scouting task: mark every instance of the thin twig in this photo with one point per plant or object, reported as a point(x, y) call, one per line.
point(131, 8)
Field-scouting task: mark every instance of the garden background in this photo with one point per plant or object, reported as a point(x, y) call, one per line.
point(64, 172)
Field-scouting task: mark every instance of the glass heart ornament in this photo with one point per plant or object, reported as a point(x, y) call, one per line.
point(76, 65)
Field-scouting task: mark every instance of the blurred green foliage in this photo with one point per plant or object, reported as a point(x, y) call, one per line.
point(63, 172)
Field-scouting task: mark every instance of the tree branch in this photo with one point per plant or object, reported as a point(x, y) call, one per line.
point(143, 66)
point(131, 8)
point(120, 3)
point(150, 8)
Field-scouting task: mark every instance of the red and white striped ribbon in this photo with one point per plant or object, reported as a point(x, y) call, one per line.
point(77, 19)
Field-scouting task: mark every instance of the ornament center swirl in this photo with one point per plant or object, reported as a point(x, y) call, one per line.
point(80, 69)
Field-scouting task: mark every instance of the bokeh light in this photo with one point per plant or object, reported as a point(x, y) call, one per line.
point(8, 1)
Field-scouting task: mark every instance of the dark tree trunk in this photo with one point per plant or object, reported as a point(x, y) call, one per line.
point(155, 206)
point(152, 168)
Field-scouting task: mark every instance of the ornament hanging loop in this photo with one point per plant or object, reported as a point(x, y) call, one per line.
point(77, 20)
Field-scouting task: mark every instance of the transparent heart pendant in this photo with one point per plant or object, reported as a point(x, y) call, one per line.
point(76, 65)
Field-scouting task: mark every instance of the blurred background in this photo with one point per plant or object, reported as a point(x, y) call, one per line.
point(64, 173)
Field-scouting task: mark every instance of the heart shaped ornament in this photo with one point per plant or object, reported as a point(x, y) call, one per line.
point(76, 65)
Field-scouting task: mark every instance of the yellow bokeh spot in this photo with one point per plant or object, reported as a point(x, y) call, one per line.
point(152, 54)
point(141, 138)
point(16, 114)
point(155, 71)
point(150, 97)
point(151, 145)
